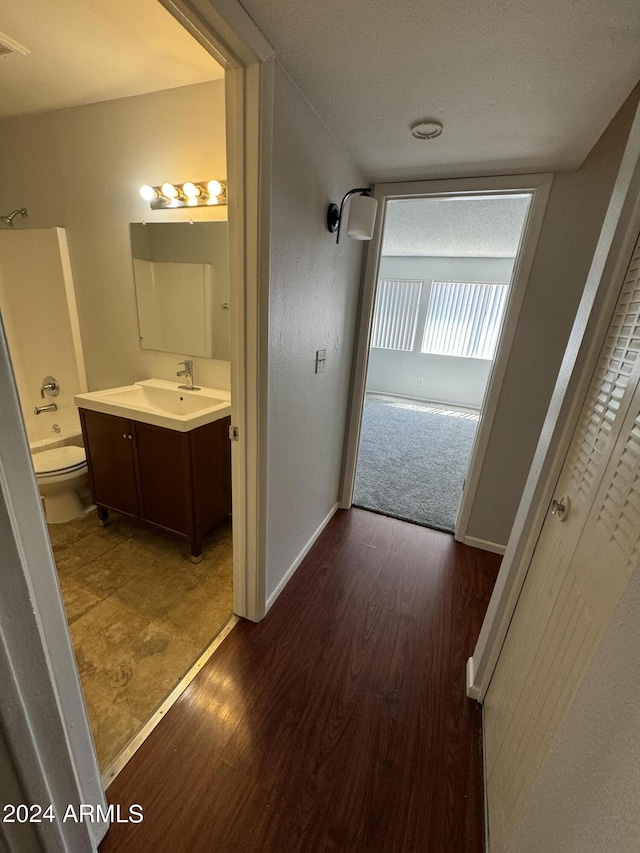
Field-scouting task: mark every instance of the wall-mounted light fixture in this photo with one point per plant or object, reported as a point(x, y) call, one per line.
point(362, 215)
point(185, 195)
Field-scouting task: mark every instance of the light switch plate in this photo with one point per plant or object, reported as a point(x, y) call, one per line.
point(321, 360)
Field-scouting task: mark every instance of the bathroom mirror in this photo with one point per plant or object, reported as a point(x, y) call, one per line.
point(181, 273)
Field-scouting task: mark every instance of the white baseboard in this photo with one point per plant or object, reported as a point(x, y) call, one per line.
point(472, 689)
point(484, 544)
point(299, 559)
point(444, 404)
point(485, 784)
point(474, 693)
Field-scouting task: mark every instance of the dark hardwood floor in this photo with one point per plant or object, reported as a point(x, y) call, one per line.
point(340, 722)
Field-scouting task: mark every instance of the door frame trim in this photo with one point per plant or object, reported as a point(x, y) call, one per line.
point(539, 185)
point(610, 260)
point(225, 30)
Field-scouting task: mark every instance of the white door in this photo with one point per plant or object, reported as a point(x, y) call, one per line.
point(579, 571)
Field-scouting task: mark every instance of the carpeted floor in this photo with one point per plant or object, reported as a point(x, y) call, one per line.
point(413, 460)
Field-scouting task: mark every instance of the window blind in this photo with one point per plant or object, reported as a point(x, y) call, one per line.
point(464, 318)
point(396, 314)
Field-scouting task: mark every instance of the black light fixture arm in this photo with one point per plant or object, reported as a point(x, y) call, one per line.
point(334, 214)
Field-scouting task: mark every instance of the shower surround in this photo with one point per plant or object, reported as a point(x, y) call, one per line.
point(38, 308)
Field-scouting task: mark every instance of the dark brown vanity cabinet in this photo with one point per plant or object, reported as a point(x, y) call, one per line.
point(180, 481)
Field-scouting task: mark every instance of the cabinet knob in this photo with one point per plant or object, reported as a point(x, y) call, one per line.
point(124, 435)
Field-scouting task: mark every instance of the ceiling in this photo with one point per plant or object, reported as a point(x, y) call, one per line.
point(460, 228)
point(519, 86)
point(85, 51)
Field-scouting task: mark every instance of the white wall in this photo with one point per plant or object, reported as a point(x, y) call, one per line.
point(460, 381)
point(314, 294)
point(587, 795)
point(570, 230)
point(82, 168)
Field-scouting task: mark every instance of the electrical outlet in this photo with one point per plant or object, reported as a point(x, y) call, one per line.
point(321, 360)
point(420, 381)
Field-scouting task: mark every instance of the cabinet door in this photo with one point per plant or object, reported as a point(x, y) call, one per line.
point(165, 478)
point(110, 456)
point(211, 461)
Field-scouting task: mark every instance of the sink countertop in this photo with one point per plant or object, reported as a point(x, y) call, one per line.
point(160, 403)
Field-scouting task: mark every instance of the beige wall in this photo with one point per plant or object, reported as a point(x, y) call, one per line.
point(575, 211)
point(314, 294)
point(82, 168)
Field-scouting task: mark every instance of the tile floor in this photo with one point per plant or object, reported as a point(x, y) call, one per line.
point(140, 614)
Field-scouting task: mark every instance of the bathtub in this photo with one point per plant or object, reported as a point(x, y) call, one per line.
point(68, 422)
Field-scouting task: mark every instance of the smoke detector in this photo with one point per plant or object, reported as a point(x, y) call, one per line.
point(428, 128)
point(8, 46)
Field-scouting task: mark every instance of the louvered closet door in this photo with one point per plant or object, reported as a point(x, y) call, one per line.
point(579, 571)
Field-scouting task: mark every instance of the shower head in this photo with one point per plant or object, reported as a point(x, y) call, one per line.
point(8, 220)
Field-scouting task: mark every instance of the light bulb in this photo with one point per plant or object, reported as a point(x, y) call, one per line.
point(148, 193)
point(192, 200)
point(191, 190)
point(213, 199)
point(214, 188)
point(170, 191)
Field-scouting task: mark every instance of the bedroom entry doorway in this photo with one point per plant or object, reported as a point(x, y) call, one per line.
point(445, 280)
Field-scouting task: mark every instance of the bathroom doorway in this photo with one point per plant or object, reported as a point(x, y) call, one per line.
point(43, 693)
point(141, 612)
point(142, 615)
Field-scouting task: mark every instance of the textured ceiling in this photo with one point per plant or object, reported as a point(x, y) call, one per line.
point(475, 228)
point(85, 51)
point(519, 86)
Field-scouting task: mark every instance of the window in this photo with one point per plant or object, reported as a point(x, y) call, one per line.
point(396, 314)
point(464, 318)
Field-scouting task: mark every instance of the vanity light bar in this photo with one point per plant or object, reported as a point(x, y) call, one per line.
point(190, 194)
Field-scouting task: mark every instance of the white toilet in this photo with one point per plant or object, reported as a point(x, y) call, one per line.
point(63, 481)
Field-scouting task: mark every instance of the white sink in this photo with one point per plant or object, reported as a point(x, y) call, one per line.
point(160, 403)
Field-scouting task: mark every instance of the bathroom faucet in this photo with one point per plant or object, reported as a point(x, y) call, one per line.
point(188, 376)
point(50, 408)
point(49, 386)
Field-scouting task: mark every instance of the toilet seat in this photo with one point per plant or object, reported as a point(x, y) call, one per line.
point(59, 460)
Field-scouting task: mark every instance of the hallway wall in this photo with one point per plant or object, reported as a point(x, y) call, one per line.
point(314, 295)
point(570, 231)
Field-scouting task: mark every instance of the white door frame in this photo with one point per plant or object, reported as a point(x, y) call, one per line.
point(227, 32)
point(611, 257)
point(539, 186)
point(42, 712)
